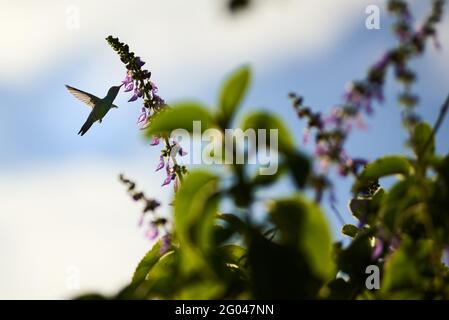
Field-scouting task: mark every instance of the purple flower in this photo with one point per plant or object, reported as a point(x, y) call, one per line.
point(128, 79)
point(165, 244)
point(146, 74)
point(182, 152)
point(321, 150)
point(177, 149)
point(166, 181)
point(161, 163)
point(306, 136)
point(155, 141)
point(137, 94)
point(378, 249)
point(383, 62)
point(143, 116)
point(171, 175)
point(152, 232)
point(175, 185)
point(358, 163)
point(141, 219)
point(342, 169)
point(324, 165)
point(157, 102)
point(139, 62)
point(335, 117)
point(402, 35)
point(129, 87)
point(154, 88)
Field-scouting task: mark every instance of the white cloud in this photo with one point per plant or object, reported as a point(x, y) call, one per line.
point(77, 215)
point(178, 37)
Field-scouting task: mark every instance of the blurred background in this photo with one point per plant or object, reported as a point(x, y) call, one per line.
point(66, 224)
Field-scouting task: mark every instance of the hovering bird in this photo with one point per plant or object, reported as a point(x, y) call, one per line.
point(99, 106)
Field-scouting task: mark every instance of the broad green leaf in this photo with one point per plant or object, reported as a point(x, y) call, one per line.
point(235, 222)
point(179, 116)
point(233, 92)
point(423, 138)
point(280, 271)
point(147, 262)
point(382, 167)
point(316, 239)
point(354, 259)
point(162, 280)
point(408, 269)
point(262, 120)
point(303, 225)
point(195, 211)
point(405, 202)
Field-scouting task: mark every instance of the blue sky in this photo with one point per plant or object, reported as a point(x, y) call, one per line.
point(56, 186)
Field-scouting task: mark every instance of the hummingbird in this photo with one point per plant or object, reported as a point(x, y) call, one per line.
point(100, 107)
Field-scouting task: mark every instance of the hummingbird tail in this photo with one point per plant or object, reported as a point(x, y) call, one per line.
point(86, 126)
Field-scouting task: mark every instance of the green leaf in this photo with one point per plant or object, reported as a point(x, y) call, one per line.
point(162, 279)
point(179, 116)
point(233, 92)
point(303, 225)
point(234, 222)
point(147, 262)
point(354, 259)
point(403, 205)
point(350, 230)
point(195, 211)
point(385, 166)
point(423, 138)
point(261, 120)
point(409, 270)
point(280, 271)
point(366, 209)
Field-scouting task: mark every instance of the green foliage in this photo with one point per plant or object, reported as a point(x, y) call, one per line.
point(266, 121)
point(146, 264)
point(232, 94)
point(302, 225)
point(383, 167)
point(180, 116)
point(285, 251)
point(217, 255)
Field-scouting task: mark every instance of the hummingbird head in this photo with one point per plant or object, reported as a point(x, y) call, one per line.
point(113, 91)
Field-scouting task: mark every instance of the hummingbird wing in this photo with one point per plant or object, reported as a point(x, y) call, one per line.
point(85, 97)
